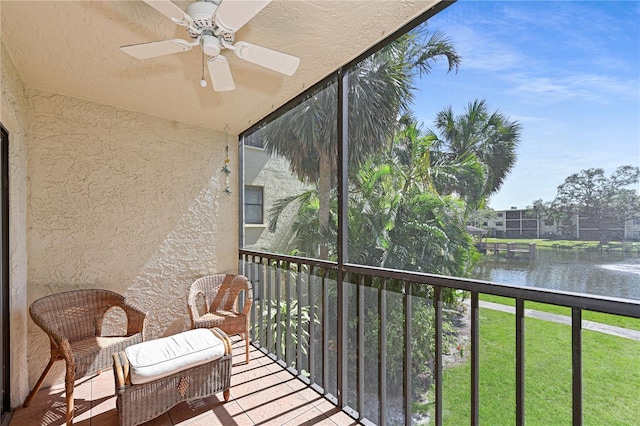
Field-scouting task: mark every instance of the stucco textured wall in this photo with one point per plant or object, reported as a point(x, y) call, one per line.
point(13, 117)
point(124, 201)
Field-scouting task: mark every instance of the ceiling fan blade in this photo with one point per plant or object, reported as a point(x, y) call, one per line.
point(233, 14)
point(170, 10)
point(156, 48)
point(220, 73)
point(272, 59)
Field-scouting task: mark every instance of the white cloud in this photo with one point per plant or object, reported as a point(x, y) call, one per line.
point(479, 51)
point(586, 87)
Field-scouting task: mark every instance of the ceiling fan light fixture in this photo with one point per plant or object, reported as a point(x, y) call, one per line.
point(210, 45)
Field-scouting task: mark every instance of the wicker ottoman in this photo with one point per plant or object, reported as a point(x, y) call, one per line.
point(153, 386)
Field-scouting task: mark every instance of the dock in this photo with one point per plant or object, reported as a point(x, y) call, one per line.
point(511, 249)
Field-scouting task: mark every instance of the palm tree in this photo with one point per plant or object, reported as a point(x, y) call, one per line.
point(397, 218)
point(492, 138)
point(380, 88)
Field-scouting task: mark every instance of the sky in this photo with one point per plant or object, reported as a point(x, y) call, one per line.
point(567, 71)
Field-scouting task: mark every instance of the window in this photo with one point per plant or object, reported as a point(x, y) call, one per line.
point(253, 206)
point(499, 223)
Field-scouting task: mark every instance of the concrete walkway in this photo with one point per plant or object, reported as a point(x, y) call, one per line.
point(562, 319)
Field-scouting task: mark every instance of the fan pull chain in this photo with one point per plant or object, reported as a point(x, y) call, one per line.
point(203, 82)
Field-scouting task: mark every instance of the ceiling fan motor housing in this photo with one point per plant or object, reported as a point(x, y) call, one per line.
point(202, 14)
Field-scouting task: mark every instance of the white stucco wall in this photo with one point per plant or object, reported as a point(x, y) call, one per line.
point(13, 111)
point(124, 201)
point(112, 199)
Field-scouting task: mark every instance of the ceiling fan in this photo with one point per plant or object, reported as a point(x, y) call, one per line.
point(212, 24)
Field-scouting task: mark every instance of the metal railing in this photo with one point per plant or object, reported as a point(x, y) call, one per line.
point(334, 329)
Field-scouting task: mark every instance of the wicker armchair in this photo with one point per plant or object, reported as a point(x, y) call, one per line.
point(220, 308)
point(73, 321)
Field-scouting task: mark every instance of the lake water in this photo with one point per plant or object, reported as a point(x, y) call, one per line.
point(593, 272)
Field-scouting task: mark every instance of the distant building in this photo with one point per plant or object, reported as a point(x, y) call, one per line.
point(523, 223)
point(267, 179)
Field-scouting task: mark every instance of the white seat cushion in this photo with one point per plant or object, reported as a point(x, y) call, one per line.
point(155, 359)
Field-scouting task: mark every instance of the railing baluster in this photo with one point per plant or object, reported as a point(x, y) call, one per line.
point(299, 322)
point(270, 337)
point(520, 362)
point(360, 372)
point(437, 300)
point(576, 364)
point(382, 350)
point(312, 327)
point(257, 315)
point(278, 324)
point(246, 269)
point(287, 336)
point(250, 274)
point(263, 296)
point(408, 313)
point(475, 359)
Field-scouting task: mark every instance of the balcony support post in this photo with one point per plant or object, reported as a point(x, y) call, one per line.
point(342, 123)
point(576, 364)
point(325, 332)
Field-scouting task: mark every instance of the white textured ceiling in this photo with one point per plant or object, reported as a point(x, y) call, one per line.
point(72, 48)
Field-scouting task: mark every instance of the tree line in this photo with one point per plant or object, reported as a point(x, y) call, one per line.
point(605, 201)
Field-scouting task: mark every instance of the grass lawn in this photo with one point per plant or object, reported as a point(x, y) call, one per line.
point(611, 376)
point(617, 320)
point(572, 244)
